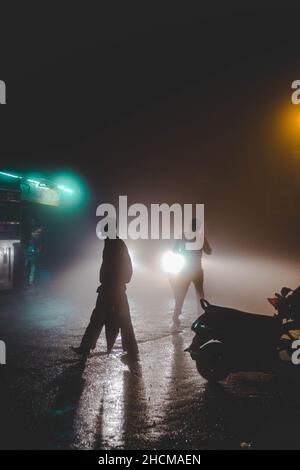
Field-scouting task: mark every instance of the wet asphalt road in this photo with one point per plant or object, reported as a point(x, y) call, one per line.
point(49, 399)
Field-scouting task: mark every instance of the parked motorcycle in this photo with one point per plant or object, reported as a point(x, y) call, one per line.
point(228, 340)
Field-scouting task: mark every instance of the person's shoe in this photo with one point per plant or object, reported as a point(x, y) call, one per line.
point(78, 350)
point(130, 359)
point(132, 352)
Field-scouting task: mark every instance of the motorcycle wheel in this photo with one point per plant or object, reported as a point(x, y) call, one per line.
point(212, 363)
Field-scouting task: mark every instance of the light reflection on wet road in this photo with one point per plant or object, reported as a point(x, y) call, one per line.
point(49, 399)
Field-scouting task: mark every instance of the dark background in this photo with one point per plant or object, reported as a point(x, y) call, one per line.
point(171, 103)
point(177, 102)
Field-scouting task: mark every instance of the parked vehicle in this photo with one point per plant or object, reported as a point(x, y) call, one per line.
point(228, 340)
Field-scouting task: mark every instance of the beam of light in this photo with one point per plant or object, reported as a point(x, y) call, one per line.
point(172, 262)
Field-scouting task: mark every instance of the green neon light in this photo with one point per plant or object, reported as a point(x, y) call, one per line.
point(63, 188)
point(33, 181)
point(10, 175)
point(60, 186)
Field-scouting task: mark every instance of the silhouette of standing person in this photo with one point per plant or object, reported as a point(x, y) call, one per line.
point(33, 252)
point(112, 309)
point(192, 272)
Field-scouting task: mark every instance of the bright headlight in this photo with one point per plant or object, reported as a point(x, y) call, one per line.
point(172, 262)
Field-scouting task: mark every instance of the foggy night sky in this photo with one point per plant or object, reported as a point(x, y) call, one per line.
point(164, 104)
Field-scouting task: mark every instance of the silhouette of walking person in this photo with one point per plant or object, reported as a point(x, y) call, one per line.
point(192, 272)
point(112, 308)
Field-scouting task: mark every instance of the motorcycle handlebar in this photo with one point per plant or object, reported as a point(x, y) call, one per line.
point(204, 304)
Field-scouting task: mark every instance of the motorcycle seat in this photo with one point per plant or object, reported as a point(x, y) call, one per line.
point(226, 318)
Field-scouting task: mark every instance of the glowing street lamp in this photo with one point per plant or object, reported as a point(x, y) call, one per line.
point(289, 128)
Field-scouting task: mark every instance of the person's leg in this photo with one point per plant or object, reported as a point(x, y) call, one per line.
point(32, 276)
point(180, 290)
point(129, 343)
point(94, 328)
point(27, 272)
point(30, 272)
point(198, 283)
point(37, 277)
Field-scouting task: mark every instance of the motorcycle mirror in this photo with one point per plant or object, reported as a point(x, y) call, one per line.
point(285, 291)
point(274, 302)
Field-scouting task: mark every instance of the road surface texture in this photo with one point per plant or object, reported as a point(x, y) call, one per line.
point(51, 400)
